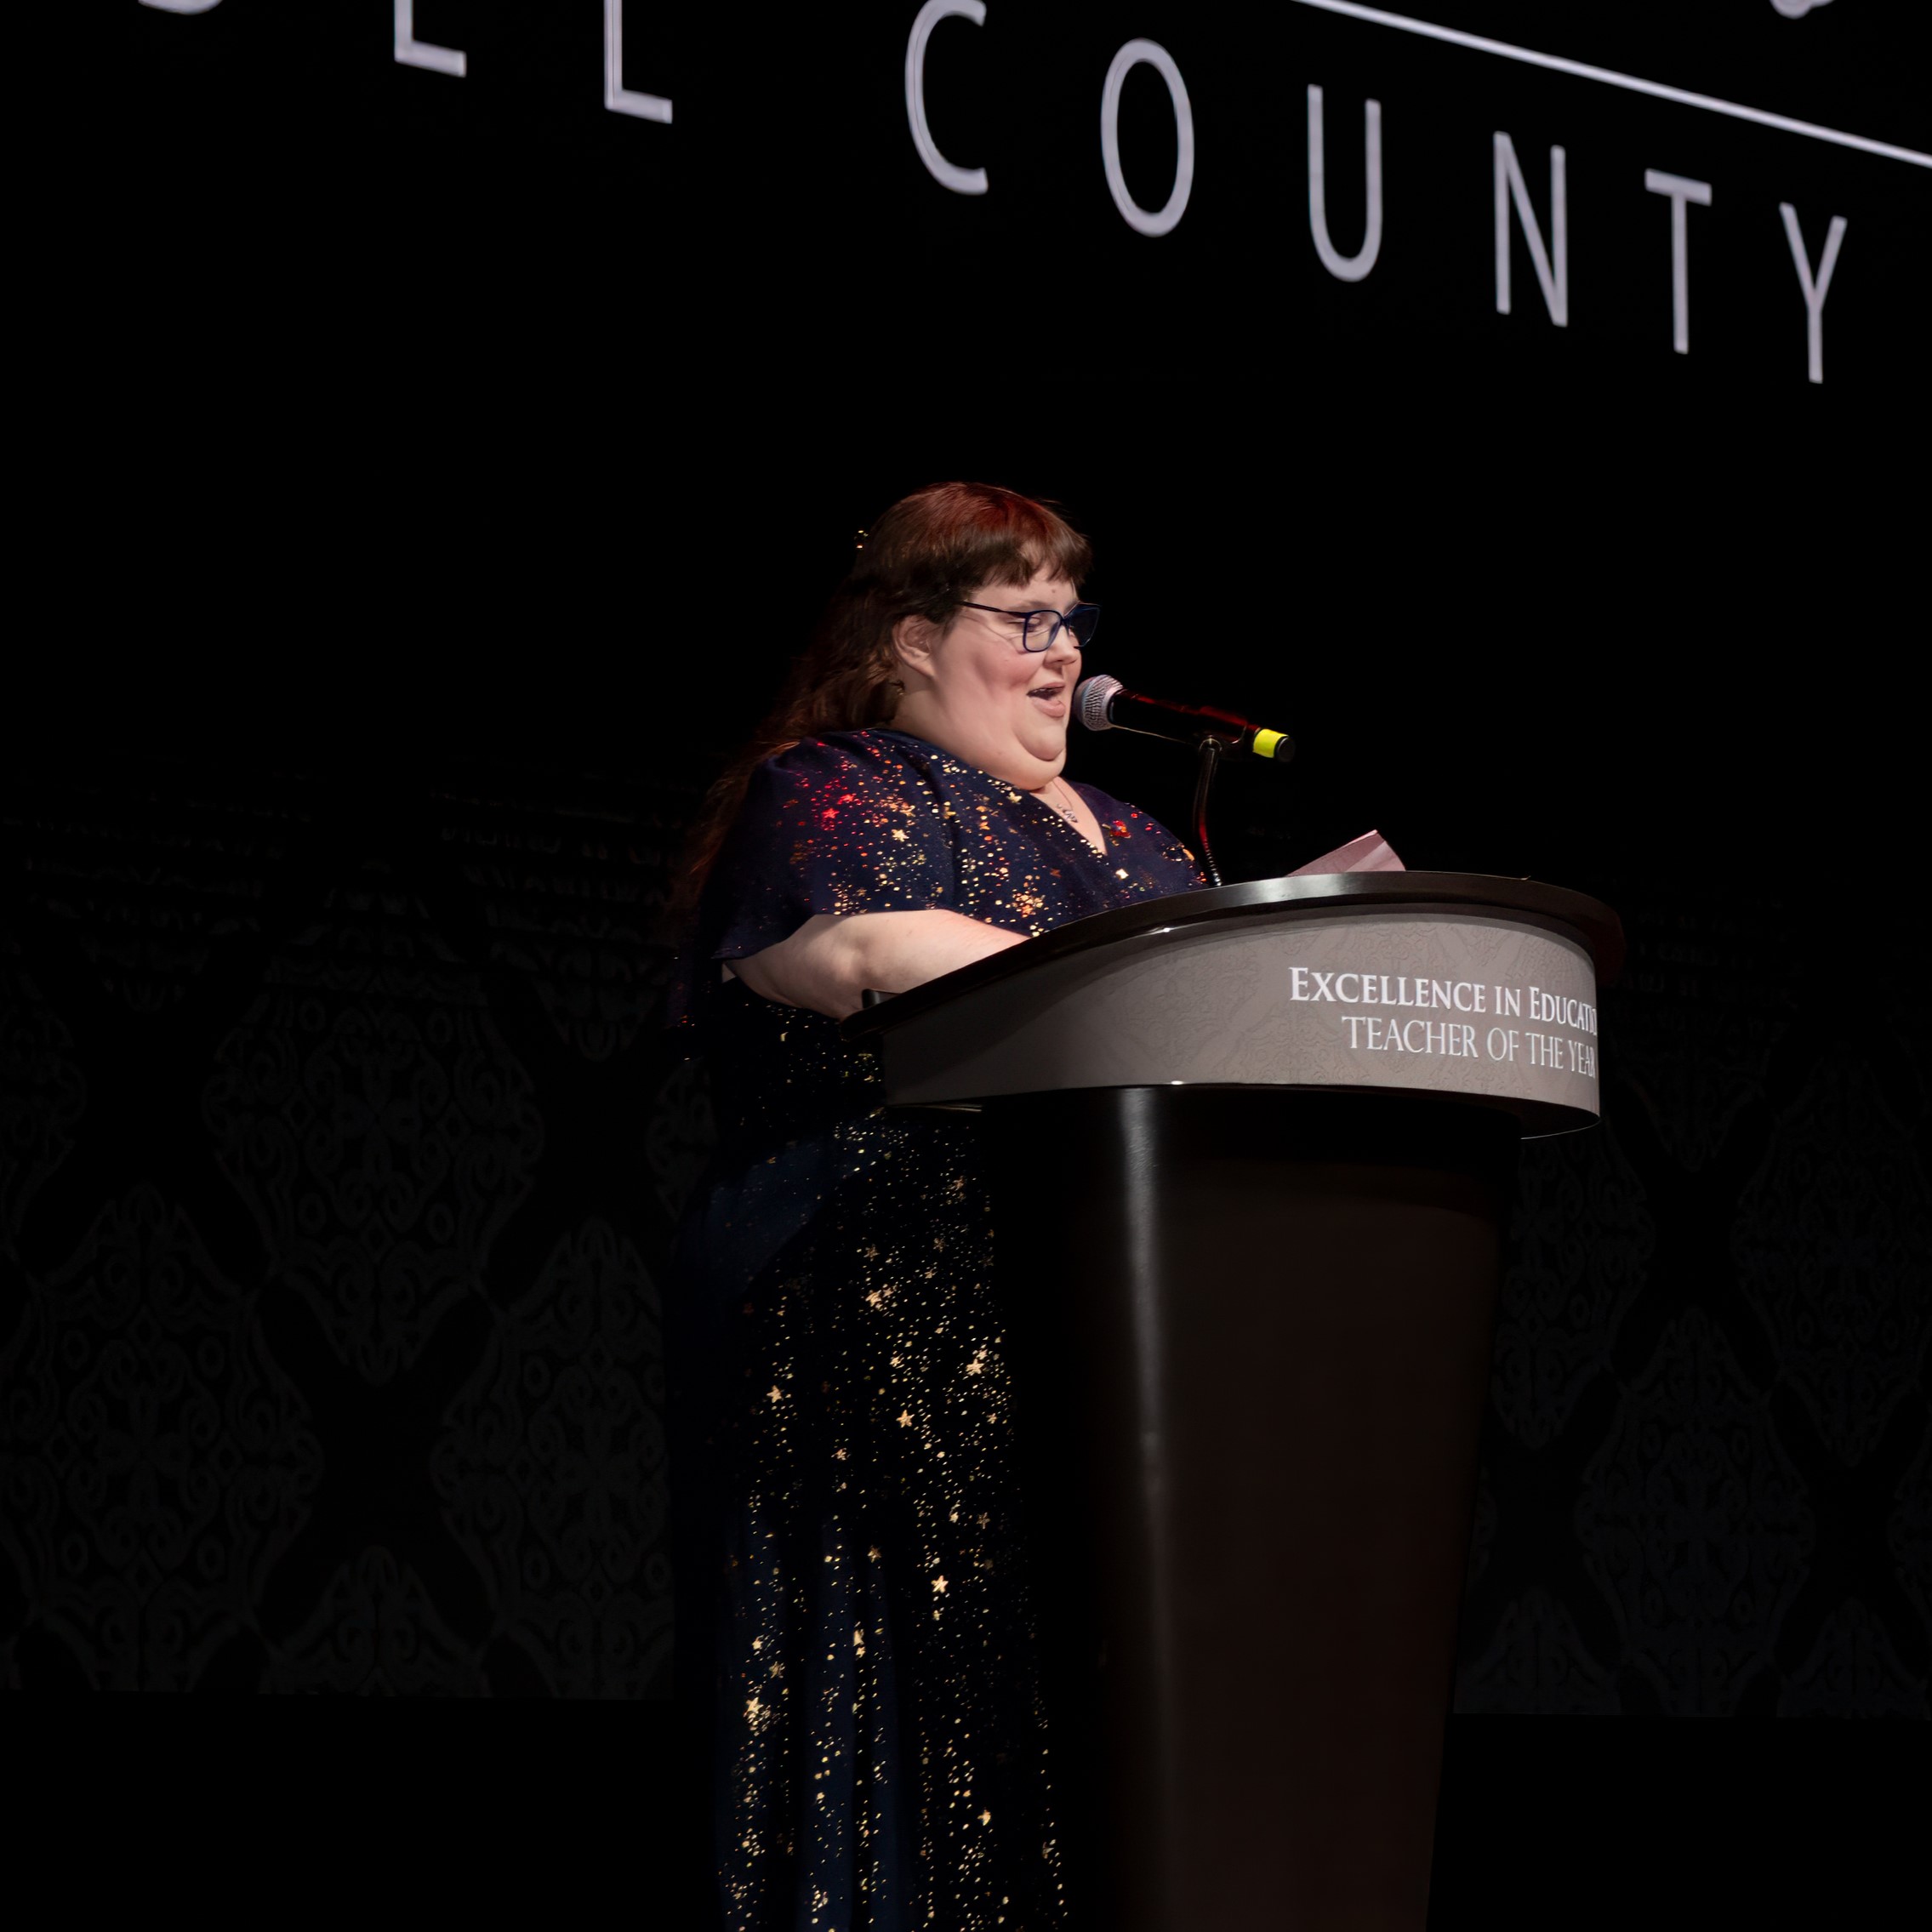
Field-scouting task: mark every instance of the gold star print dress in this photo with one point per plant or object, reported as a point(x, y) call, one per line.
point(852, 1613)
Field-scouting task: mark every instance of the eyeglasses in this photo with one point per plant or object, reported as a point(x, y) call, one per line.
point(1036, 630)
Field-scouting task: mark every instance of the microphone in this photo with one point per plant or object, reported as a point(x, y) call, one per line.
point(1105, 704)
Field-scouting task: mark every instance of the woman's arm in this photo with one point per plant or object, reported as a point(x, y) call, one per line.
point(831, 959)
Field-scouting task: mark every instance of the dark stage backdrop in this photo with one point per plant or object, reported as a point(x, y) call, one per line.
point(445, 469)
point(341, 1160)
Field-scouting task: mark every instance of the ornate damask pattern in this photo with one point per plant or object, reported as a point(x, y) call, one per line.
point(154, 1459)
point(1690, 1026)
point(1482, 1530)
point(1852, 1671)
point(682, 1133)
point(1909, 1531)
point(382, 1133)
point(151, 879)
point(553, 1471)
point(1581, 1239)
point(1537, 1665)
point(376, 1632)
point(596, 979)
point(1693, 1523)
point(43, 1096)
point(573, 893)
point(381, 1123)
point(1833, 1246)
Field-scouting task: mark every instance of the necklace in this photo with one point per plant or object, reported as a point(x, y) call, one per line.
point(1069, 811)
point(1066, 812)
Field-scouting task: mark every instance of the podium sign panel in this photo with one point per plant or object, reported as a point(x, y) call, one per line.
point(1251, 1151)
point(1481, 1008)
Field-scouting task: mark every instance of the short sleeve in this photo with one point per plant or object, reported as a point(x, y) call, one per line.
point(827, 827)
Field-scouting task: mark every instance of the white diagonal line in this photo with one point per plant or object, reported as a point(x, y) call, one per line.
point(1631, 82)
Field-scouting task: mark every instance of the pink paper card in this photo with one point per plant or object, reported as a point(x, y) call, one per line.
point(1371, 852)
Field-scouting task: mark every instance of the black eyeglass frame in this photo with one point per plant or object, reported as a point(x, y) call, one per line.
point(1062, 620)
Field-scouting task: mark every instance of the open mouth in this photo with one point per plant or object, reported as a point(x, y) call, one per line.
point(1052, 698)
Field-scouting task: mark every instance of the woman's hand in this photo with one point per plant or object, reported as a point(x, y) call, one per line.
point(831, 959)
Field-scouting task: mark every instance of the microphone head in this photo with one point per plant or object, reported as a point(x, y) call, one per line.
point(1093, 699)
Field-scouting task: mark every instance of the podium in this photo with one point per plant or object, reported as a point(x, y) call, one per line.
point(1251, 1150)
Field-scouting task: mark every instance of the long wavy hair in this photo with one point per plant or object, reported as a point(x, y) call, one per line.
point(925, 556)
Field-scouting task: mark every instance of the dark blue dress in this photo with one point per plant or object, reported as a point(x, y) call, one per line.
point(880, 1755)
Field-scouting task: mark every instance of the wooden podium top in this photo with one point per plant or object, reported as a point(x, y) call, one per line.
point(1434, 983)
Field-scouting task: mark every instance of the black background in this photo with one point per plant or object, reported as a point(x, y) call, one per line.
point(442, 473)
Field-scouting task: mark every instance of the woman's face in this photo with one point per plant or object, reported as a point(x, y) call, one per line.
point(971, 690)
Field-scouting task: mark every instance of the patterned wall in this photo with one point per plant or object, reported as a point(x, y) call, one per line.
point(337, 1163)
point(1708, 1462)
point(338, 1159)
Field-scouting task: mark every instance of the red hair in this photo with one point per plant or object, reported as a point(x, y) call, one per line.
point(924, 557)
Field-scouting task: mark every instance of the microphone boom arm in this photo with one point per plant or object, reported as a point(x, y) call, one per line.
point(1208, 755)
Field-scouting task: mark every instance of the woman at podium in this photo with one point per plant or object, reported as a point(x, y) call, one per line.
point(853, 1628)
